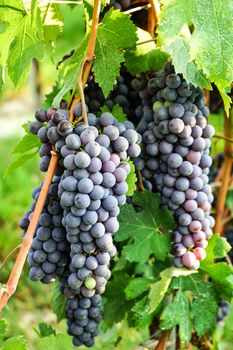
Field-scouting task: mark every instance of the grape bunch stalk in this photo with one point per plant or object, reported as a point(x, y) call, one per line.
point(175, 159)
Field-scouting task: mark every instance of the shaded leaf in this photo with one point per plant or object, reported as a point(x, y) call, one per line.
point(136, 287)
point(58, 302)
point(3, 327)
point(178, 314)
point(145, 228)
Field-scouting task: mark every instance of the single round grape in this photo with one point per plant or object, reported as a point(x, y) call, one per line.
point(109, 180)
point(34, 127)
point(176, 125)
point(174, 160)
point(178, 197)
point(72, 221)
point(112, 132)
point(179, 249)
point(176, 110)
point(69, 162)
point(182, 150)
point(190, 205)
point(169, 94)
point(78, 260)
point(82, 160)
point(41, 115)
point(64, 128)
point(186, 168)
point(208, 131)
point(91, 264)
point(199, 144)
point(82, 200)
point(104, 155)
point(106, 119)
point(182, 183)
point(90, 283)
point(70, 183)
point(105, 242)
point(199, 253)
point(73, 141)
point(196, 183)
point(173, 81)
point(188, 241)
point(90, 217)
point(85, 186)
point(96, 178)
point(67, 199)
point(185, 219)
point(103, 140)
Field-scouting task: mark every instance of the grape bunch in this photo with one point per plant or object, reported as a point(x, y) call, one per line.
point(48, 255)
point(91, 191)
point(91, 188)
point(175, 159)
point(123, 94)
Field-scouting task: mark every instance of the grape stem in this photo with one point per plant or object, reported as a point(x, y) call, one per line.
point(228, 139)
point(10, 287)
point(162, 344)
point(226, 177)
point(140, 183)
point(138, 8)
point(153, 16)
point(8, 256)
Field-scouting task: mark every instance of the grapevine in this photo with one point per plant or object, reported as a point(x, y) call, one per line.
point(130, 221)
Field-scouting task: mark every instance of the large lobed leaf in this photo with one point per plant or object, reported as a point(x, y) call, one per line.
point(21, 38)
point(149, 229)
point(114, 34)
point(199, 36)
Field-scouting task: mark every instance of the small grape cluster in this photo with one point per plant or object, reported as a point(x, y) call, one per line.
point(48, 255)
point(123, 94)
point(175, 159)
point(51, 127)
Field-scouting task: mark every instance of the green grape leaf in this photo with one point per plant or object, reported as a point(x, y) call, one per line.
point(149, 229)
point(118, 113)
point(178, 314)
point(22, 39)
point(136, 287)
point(160, 288)
point(216, 249)
point(208, 30)
point(45, 330)
point(221, 275)
point(116, 305)
point(204, 300)
point(146, 56)
point(15, 164)
point(27, 143)
point(52, 20)
point(58, 342)
point(142, 315)
point(179, 50)
point(114, 34)
point(220, 272)
point(15, 343)
point(3, 327)
point(58, 302)
point(131, 179)
point(48, 101)
point(70, 71)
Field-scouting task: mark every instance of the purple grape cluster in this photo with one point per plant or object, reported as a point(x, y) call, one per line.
point(91, 191)
point(48, 255)
point(175, 159)
point(123, 94)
